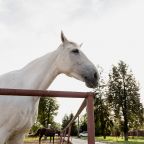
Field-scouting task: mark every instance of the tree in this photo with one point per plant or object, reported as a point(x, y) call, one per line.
point(35, 127)
point(56, 126)
point(123, 96)
point(103, 122)
point(83, 123)
point(65, 122)
point(47, 110)
point(74, 131)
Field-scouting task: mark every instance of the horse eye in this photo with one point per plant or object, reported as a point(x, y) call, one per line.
point(76, 51)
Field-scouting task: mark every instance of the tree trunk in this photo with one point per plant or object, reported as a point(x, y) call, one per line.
point(126, 136)
point(125, 127)
point(104, 136)
point(125, 113)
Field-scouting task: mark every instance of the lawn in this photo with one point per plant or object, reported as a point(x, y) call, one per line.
point(34, 140)
point(115, 140)
point(31, 139)
point(108, 140)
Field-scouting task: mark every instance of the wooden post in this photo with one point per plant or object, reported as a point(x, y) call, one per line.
point(64, 136)
point(90, 115)
point(69, 133)
point(61, 135)
point(78, 128)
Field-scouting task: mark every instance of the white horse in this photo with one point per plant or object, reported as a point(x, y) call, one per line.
point(17, 114)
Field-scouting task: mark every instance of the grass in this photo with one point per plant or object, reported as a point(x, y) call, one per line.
point(115, 140)
point(31, 139)
point(35, 140)
point(108, 140)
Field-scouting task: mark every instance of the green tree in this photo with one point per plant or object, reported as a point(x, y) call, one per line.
point(74, 131)
point(103, 122)
point(65, 122)
point(83, 123)
point(47, 110)
point(123, 96)
point(35, 127)
point(56, 126)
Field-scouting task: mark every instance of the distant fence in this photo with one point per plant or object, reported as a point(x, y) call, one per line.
point(136, 133)
point(88, 103)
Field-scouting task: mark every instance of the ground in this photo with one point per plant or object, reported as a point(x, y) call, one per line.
point(42, 142)
point(35, 141)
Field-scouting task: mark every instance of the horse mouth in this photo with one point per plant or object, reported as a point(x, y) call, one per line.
point(91, 78)
point(91, 84)
point(91, 81)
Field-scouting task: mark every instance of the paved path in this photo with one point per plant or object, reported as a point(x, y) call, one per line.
point(80, 141)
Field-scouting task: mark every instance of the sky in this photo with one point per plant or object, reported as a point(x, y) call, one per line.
point(110, 30)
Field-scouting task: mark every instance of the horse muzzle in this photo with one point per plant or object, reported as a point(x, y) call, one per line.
point(92, 80)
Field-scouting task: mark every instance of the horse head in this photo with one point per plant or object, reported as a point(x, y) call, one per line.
point(74, 63)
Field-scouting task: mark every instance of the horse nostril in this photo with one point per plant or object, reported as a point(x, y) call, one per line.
point(95, 75)
point(85, 77)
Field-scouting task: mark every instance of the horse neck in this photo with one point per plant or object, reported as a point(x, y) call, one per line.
point(41, 72)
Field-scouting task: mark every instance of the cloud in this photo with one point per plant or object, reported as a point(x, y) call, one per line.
point(12, 12)
point(34, 13)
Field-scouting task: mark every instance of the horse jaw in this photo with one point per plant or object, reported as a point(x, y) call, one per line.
point(89, 83)
point(76, 76)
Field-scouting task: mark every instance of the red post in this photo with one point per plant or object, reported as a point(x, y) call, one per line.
point(69, 134)
point(90, 124)
point(61, 137)
point(64, 135)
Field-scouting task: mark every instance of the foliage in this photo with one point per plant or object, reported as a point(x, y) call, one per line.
point(65, 122)
point(47, 110)
point(36, 126)
point(83, 123)
point(74, 127)
point(124, 98)
point(56, 126)
point(103, 122)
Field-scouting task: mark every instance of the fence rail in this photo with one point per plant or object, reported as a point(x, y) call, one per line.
point(43, 93)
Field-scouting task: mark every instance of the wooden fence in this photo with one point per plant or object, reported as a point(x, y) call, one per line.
point(88, 103)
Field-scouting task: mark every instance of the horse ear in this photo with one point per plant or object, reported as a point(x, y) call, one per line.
point(63, 38)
